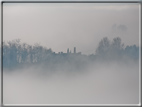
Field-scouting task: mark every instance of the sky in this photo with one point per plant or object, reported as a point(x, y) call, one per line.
point(68, 25)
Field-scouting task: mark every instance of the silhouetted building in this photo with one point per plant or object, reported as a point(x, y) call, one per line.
point(74, 49)
point(68, 50)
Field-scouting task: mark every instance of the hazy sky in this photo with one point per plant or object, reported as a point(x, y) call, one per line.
point(68, 25)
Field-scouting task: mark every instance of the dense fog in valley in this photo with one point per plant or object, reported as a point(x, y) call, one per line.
point(111, 83)
point(38, 75)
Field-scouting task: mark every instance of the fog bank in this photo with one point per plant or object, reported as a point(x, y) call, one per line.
point(100, 83)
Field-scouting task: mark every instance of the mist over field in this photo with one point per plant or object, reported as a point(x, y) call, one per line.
point(104, 83)
point(41, 76)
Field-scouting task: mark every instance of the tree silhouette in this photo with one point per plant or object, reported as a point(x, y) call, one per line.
point(17, 54)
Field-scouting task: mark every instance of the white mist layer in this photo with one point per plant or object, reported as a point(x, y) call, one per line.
point(110, 83)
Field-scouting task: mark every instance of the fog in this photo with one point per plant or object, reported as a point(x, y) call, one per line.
point(37, 75)
point(101, 83)
point(102, 72)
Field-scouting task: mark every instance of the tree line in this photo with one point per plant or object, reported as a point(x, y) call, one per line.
point(17, 54)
